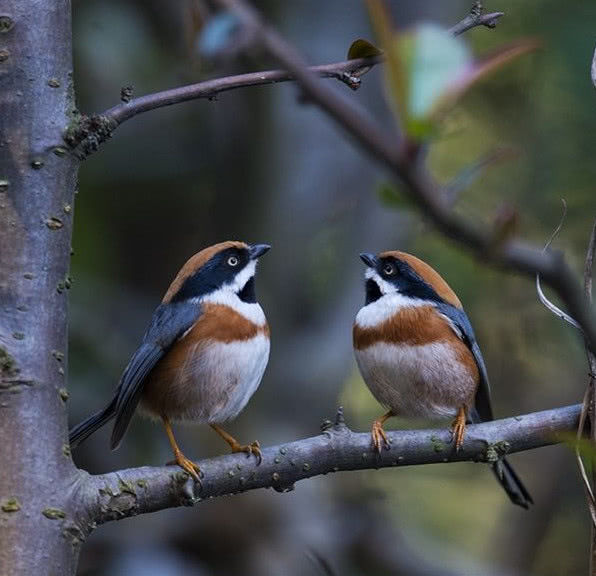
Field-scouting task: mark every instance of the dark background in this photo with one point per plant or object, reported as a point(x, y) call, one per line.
point(260, 166)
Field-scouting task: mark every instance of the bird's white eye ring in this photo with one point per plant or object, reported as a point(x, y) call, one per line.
point(388, 269)
point(233, 261)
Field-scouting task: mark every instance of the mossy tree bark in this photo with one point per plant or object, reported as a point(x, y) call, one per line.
point(37, 186)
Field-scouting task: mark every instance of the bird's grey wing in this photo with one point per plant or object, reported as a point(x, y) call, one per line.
point(461, 325)
point(169, 322)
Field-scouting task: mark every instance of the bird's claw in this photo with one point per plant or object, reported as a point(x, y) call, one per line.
point(252, 448)
point(458, 429)
point(188, 466)
point(379, 437)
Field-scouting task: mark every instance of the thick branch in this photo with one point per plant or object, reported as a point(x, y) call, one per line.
point(403, 162)
point(141, 490)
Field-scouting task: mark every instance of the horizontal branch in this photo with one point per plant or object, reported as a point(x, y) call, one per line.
point(85, 136)
point(141, 490)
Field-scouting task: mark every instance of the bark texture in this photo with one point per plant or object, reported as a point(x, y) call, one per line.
point(37, 184)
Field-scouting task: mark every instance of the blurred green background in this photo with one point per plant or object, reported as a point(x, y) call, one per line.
point(261, 165)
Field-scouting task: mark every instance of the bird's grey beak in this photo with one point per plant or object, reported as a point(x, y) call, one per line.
point(369, 259)
point(257, 250)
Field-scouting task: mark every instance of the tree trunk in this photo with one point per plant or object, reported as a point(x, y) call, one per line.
point(37, 183)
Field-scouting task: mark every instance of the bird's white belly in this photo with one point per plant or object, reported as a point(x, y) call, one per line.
point(424, 381)
point(221, 377)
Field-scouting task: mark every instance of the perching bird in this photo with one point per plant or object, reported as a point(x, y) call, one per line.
point(418, 355)
point(203, 355)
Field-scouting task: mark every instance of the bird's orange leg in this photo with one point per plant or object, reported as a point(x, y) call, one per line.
point(458, 427)
point(378, 434)
point(253, 448)
point(180, 459)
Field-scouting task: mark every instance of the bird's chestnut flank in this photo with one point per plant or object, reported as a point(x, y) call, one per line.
point(202, 356)
point(417, 352)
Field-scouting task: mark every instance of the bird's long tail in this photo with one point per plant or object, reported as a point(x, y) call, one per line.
point(507, 477)
point(504, 472)
point(81, 431)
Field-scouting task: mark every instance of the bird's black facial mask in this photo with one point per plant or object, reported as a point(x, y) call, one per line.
point(403, 278)
point(219, 270)
point(373, 292)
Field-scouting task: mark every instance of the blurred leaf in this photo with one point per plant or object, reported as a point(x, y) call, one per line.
point(433, 58)
point(505, 225)
point(469, 174)
point(395, 75)
point(585, 446)
point(361, 48)
point(217, 34)
point(477, 70)
point(390, 196)
point(428, 69)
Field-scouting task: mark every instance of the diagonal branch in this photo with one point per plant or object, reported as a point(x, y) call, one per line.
point(403, 163)
point(141, 490)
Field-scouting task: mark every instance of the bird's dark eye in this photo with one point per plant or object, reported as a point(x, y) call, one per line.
point(232, 261)
point(388, 269)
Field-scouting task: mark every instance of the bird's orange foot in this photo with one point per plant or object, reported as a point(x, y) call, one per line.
point(187, 465)
point(458, 428)
point(379, 437)
point(248, 449)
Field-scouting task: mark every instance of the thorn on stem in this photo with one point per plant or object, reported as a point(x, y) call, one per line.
point(340, 421)
point(353, 82)
point(126, 93)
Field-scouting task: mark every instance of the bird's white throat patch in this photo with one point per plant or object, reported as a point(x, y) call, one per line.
point(384, 286)
point(227, 295)
point(387, 305)
point(241, 278)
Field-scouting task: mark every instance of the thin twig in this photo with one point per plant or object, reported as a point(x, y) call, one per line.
point(547, 303)
point(125, 493)
point(90, 131)
point(342, 71)
point(589, 264)
point(588, 394)
point(589, 404)
point(476, 18)
point(580, 462)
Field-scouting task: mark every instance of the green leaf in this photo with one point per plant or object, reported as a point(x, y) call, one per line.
point(478, 70)
point(428, 70)
point(434, 58)
point(361, 48)
point(390, 196)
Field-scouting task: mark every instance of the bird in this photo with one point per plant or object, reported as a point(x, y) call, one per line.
point(203, 355)
point(417, 353)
